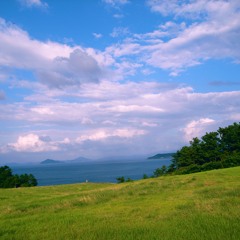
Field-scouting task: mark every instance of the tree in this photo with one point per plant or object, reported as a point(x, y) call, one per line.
point(214, 150)
point(160, 171)
point(8, 180)
point(210, 146)
point(230, 138)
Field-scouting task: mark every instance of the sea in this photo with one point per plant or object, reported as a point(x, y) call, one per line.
point(97, 171)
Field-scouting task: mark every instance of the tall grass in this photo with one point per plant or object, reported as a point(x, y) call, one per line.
point(197, 206)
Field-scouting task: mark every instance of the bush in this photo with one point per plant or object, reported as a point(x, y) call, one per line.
point(120, 179)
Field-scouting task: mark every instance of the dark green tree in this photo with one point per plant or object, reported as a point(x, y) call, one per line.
point(8, 180)
point(230, 138)
point(210, 148)
point(214, 150)
point(160, 171)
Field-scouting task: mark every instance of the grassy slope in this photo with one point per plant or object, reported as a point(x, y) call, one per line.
point(198, 206)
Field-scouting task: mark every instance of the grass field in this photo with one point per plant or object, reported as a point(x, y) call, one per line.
point(196, 206)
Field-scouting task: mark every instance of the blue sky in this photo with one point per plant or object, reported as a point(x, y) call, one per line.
point(105, 78)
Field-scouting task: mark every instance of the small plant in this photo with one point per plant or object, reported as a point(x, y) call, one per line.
point(120, 179)
point(129, 180)
point(145, 176)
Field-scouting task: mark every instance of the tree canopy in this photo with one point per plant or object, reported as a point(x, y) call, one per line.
point(214, 150)
point(220, 149)
point(8, 180)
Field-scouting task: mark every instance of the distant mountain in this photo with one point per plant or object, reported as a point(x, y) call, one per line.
point(161, 156)
point(50, 161)
point(76, 160)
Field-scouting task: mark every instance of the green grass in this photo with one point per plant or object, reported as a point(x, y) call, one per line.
point(197, 206)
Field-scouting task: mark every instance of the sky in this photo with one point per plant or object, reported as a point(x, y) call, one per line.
point(106, 78)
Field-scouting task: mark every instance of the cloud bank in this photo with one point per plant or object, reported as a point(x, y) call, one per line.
point(101, 102)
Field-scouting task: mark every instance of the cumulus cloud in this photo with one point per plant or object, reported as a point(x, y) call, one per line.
point(33, 3)
point(197, 128)
point(34, 143)
point(78, 68)
point(127, 115)
point(55, 64)
point(21, 51)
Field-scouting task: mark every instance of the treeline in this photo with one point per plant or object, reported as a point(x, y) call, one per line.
point(8, 180)
point(220, 149)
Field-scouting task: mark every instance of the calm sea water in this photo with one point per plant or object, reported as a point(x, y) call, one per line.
point(66, 173)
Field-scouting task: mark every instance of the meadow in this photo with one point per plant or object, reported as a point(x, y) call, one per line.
point(197, 206)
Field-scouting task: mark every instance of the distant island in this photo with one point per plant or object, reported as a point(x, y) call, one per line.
point(161, 155)
point(76, 160)
point(50, 161)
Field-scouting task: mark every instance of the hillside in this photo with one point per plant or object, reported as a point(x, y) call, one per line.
point(197, 206)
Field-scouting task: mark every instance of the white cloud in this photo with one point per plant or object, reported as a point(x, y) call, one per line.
point(97, 35)
point(55, 64)
point(118, 16)
point(119, 32)
point(124, 116)
point(123, 104)
point(147, 71)
point(78, 68)
point(127, 116)
point(115, 3)
point(33, 3)
point(200, 30)
point(213, 36)
point(102, 134)
point(21, 51)
point(197, 128)
point(34, 143)
point(191, 9)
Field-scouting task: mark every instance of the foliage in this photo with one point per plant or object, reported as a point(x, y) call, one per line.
point(220, 149)
point(199, 206)
point(8, 180)
point(160, 171)
point(120, 179)
point(145, 176)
